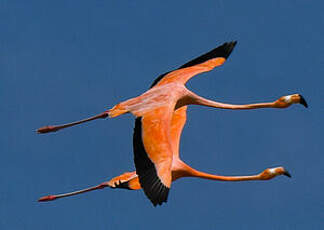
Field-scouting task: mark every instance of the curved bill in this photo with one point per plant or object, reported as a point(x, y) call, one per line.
point(303, 101)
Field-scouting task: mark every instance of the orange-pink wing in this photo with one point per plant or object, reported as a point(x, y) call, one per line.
point(203, 63)
point(153, 153)
point(157, 134)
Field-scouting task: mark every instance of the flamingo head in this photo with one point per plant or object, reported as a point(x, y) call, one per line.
point(286, 101)
point(273, 172)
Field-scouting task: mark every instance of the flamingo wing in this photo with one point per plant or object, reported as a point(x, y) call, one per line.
point(157, 133)
point(153, 153)
point(203, 63)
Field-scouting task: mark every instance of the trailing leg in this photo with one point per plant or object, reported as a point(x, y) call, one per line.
point(128, 180)
point(114, 112)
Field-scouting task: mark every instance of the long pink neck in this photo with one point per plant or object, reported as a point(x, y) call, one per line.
point(196, 173)
point(184, 170)
point(197, 100)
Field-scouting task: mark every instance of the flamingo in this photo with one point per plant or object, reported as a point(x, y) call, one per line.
point(160, 117)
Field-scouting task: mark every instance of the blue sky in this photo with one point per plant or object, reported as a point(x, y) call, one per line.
point(65, 60)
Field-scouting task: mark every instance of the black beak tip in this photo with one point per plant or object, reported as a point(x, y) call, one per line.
point(286, 173)
point(303, 101)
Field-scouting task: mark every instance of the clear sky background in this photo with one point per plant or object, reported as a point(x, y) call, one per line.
point(65, 60)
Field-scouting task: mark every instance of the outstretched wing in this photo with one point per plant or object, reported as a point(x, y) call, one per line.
point(153, 153)
point(155, 140)
point(203, 63)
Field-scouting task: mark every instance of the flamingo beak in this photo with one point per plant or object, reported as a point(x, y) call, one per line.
point(303, 101)
point(286, 173)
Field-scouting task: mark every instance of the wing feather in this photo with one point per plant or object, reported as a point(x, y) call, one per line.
point(157, 133)
point(203, 63)
point(153, 154)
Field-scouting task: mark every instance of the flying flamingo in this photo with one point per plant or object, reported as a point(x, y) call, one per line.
point(160, 117)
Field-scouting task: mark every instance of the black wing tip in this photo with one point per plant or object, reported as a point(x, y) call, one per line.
point(161, 197)
point(153, 187)
point(227, 48)
point(223, 50)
